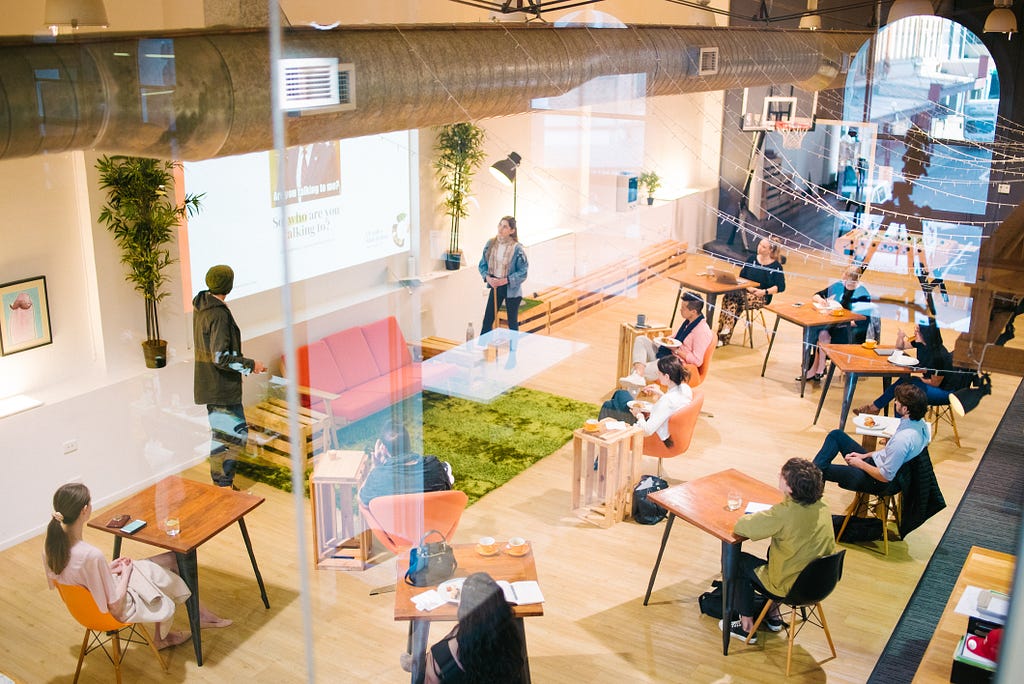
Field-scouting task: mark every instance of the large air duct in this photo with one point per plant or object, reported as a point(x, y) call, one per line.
point(202, 95)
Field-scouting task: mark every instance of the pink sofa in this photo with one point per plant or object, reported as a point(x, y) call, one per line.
point(359, 371)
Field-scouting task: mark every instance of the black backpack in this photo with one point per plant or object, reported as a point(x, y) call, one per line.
point(647, 512)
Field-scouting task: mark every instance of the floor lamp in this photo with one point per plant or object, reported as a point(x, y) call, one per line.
point(505, 171)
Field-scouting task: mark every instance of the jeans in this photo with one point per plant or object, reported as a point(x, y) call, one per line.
point(617, 407)
point(496, 296)
point(936, 395)
point(229, 433)
point(838, 443)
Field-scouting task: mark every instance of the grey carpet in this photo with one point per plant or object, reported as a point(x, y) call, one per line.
point(989, 515)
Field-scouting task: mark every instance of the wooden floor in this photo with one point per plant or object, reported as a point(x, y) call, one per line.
point(595, 628)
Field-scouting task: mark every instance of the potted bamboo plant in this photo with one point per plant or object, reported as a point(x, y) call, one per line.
point(459, 151)
point(141, 214)
point(651, 182)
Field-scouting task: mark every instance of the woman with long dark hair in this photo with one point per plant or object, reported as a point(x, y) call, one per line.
point(673, 375)
point(933, 357)
point(485, 646)
point(132, 591)
point(503, 266)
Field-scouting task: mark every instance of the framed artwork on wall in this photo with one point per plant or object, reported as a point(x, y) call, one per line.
point(24, 315)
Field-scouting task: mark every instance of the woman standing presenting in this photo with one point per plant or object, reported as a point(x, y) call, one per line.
point(503, 267)
point(765, 269)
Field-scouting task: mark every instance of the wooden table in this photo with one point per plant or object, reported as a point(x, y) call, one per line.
point(203, 510)
point(693, 277)
point(605, 466)
point(983, 568)
point(701, 503)
point(500, 567)
point(856, 362)
point(802, 313)
point(340, 539)
point(628, 332)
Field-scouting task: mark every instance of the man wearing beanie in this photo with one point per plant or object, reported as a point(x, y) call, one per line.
point(219, 370)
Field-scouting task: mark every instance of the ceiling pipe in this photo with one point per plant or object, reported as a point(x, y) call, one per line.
point(89, 94)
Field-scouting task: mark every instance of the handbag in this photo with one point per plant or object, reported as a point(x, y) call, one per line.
point(431, 562)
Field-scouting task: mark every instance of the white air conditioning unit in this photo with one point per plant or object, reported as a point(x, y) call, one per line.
point(316, 85)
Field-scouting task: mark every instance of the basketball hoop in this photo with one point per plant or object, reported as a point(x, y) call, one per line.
point(792, 132)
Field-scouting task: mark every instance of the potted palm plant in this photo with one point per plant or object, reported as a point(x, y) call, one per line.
point(459, 151)
point(651, 182)
point(141, 214)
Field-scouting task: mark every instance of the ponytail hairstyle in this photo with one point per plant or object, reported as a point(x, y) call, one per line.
point(68, 502)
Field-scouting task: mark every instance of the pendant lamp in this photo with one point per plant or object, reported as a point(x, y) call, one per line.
point(901, 9)
point(1002, 19)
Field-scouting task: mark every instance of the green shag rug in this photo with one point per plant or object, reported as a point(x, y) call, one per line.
point(487, 444)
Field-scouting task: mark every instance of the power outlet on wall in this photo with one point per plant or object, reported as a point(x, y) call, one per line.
point(1003, 188)
point(70, 446)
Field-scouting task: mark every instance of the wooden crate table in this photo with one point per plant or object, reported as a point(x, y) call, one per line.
point(605, 467)
point(340, 539)
point(628, 332)
point(268, 431)
point(432, 346)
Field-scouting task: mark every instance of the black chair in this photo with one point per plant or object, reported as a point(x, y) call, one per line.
point(812, 586)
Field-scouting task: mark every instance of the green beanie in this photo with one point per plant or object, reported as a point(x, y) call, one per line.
point(220, 279)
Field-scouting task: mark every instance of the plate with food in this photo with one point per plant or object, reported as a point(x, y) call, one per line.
point(867, 422)
point(644, 406)
point(669, 342)
point(451, 590)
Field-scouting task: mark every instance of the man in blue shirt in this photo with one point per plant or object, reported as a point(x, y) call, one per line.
point(873, 472)
point(399, 470)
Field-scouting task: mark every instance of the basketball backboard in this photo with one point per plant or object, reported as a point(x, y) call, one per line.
point(764, 106)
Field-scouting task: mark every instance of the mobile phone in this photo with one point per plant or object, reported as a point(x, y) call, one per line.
point(119, 521)
point(134, 526)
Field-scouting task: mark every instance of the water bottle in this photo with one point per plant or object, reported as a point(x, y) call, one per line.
point(469, 332)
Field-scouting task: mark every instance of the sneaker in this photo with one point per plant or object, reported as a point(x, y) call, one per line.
point(736, 631)
point(869, 409)
point(775, 624)
point(634, 379)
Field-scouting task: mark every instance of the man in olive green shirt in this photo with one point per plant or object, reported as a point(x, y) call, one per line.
point(800, 529)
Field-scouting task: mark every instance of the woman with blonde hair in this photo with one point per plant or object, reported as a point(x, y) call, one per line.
point(851, 295)
point(132, 591)
point(765, 270)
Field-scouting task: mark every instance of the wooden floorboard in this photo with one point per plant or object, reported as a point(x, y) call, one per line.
point(595, 628)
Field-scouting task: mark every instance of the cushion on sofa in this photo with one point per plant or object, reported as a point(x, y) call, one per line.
point(353, 356)
point(356, 404)
point(316, 368)
point(387, 344)
point(398, 384)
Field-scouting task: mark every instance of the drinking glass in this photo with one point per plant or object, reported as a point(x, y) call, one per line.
point(734, 500)
point(172, 527)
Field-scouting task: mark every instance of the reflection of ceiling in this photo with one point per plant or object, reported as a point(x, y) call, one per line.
point(210, 96)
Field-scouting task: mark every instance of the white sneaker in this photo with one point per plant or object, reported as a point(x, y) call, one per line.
point(634, 379)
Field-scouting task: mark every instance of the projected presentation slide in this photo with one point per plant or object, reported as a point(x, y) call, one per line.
point(346, 202)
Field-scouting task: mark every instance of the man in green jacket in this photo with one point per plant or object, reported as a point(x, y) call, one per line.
point(800, 529)
point(219, 369)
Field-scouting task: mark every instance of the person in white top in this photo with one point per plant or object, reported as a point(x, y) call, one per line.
point(672, 375)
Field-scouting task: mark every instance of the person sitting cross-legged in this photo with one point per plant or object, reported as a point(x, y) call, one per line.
point(873, 472)
point(800, 529)
point(694, 336)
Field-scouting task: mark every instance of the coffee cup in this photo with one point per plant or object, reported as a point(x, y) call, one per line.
point(487, 545)
point(517, 545)
point(870, 344)
point(592, 425)
point(641, 320)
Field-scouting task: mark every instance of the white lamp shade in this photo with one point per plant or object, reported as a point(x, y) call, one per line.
point(811, 22)
point(901, 9)
point(1001, 20)
point(75, 13)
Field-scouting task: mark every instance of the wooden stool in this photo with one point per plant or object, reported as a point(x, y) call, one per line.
point(886, 507)
point(748, 329)
point(605, 467)
point(340, 539)
point(268, 431)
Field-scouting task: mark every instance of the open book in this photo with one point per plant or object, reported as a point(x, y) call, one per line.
point(521, 593)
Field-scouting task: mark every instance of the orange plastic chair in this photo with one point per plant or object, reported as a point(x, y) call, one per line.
point(103, 628)
point(698, 374)
point(399, 521)
point(680, 429)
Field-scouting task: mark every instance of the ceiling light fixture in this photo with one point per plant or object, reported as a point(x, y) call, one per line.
point(1002, 19)
point(901, 9)
point(811, 22)
point(74, 14)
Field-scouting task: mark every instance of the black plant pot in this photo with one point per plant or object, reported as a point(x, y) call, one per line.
point(453, 260)
point(650, 200)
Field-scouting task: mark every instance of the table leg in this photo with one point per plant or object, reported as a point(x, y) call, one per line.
point(824, 390)
point(851, 385)
point(188, 569)
point(805, 358)
point(771, 341)
point(712, 308)
point(521, 628)
point(117, 547)
point(577, 473)
point(661, 552)
point(419, 632)
point(730, 568)
point(252, 559)
point(675, 307)
point(886, 381)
